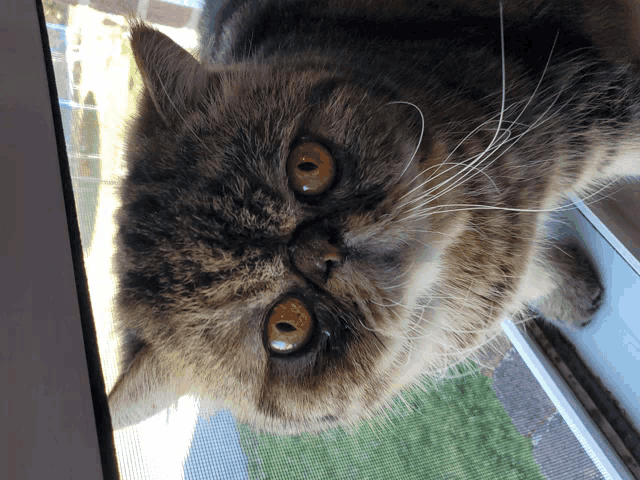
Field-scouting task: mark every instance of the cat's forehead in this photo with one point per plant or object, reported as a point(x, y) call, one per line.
point(289, 84)
point(267, 112)
point(290, 93)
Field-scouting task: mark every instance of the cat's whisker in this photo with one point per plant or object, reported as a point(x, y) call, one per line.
point(507, 131)
point(395, 286)
point(531, 97)
point(473, 132)
point(422, 329)
point(421, 132)
point(465, 173)
point(410, 408)
point(535, 90)
point(445, 208)
point(422, 208)
point(401, 274)
point(430, 178)
point(438, 166)
point(427, 193)
point(502, 109)
point(540, 121)
point(504, 75)
point(476, 130)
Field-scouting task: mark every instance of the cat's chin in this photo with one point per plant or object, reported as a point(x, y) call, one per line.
point(347, 422)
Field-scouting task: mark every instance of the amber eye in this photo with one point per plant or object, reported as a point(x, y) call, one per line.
point(289, 327)
point(310, 168)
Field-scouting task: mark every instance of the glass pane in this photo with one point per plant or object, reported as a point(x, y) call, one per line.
point(496, 425)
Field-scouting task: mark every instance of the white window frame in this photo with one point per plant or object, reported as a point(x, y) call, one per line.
point(555, 385)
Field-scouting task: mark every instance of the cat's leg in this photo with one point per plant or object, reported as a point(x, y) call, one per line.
point(563, 286)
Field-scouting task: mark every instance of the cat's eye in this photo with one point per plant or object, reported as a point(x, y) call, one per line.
point(311, 168)
point(289, 326)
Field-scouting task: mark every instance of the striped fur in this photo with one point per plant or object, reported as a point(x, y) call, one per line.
point(450, 156)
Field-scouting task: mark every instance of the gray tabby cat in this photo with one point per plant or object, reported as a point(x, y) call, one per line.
point(345, 195)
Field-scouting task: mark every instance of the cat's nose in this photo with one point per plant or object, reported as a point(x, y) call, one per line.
point(315, 256)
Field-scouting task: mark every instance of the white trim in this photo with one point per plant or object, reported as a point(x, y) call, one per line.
point(580, 423)
point(607, 234)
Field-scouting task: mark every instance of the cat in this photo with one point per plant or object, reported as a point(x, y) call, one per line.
point(342, 196)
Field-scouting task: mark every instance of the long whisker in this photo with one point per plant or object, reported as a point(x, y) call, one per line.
point(428, 192)
point(504, 88)
point(421, 132)
point(503, 142)
point(504, 75)
point(560, 208)
point(541, 120)
point(469, 135)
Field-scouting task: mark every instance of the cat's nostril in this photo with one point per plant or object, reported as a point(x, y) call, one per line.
point(315, 255)
point(322, 268)
point(328, 261)
point(332, 255)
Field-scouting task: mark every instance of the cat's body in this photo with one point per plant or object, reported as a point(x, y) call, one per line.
point(431, 231)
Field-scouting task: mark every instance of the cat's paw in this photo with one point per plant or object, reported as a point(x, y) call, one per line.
point(579, 293)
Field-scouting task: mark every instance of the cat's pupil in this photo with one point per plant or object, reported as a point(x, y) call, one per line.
point(307, 167)
point(285, 327)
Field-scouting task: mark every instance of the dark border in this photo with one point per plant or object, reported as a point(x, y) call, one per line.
point(101, 412)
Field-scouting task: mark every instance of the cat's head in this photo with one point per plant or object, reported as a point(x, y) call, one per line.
point(272, 247)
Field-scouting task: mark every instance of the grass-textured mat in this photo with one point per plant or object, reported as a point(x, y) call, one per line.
point(458, 430)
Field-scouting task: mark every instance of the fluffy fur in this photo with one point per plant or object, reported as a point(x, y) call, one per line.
point(456, 127)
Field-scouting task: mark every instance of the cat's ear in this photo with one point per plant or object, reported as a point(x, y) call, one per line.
point(145, 388)
point(173, 79)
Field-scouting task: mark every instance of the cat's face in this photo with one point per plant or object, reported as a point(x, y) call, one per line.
point(219, 237)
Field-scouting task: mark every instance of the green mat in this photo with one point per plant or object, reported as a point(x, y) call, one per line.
point(458, 430)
